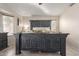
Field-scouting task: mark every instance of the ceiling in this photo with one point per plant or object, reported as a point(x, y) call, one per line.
point(29, 9)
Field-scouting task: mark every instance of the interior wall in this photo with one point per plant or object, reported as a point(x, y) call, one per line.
point(69, 23)
point(25, 21)
point(1, 23)
point(16, 27)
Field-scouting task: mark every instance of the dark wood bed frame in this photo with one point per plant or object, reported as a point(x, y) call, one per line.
point(41, 42)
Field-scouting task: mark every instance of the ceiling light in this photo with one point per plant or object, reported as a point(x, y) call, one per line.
point(72, 4)
point(40, 3)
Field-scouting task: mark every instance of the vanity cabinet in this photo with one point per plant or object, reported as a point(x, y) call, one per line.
point(41, 42)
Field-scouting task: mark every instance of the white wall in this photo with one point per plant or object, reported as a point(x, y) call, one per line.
point(1, 23)
point(69, 23)
point(16, 27)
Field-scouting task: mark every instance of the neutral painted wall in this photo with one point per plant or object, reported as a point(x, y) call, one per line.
point(1, 23)
point(16, 27)
point(25, 21)
point(69, 23)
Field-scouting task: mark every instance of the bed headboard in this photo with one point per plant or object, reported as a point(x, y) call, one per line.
point(40, 23)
